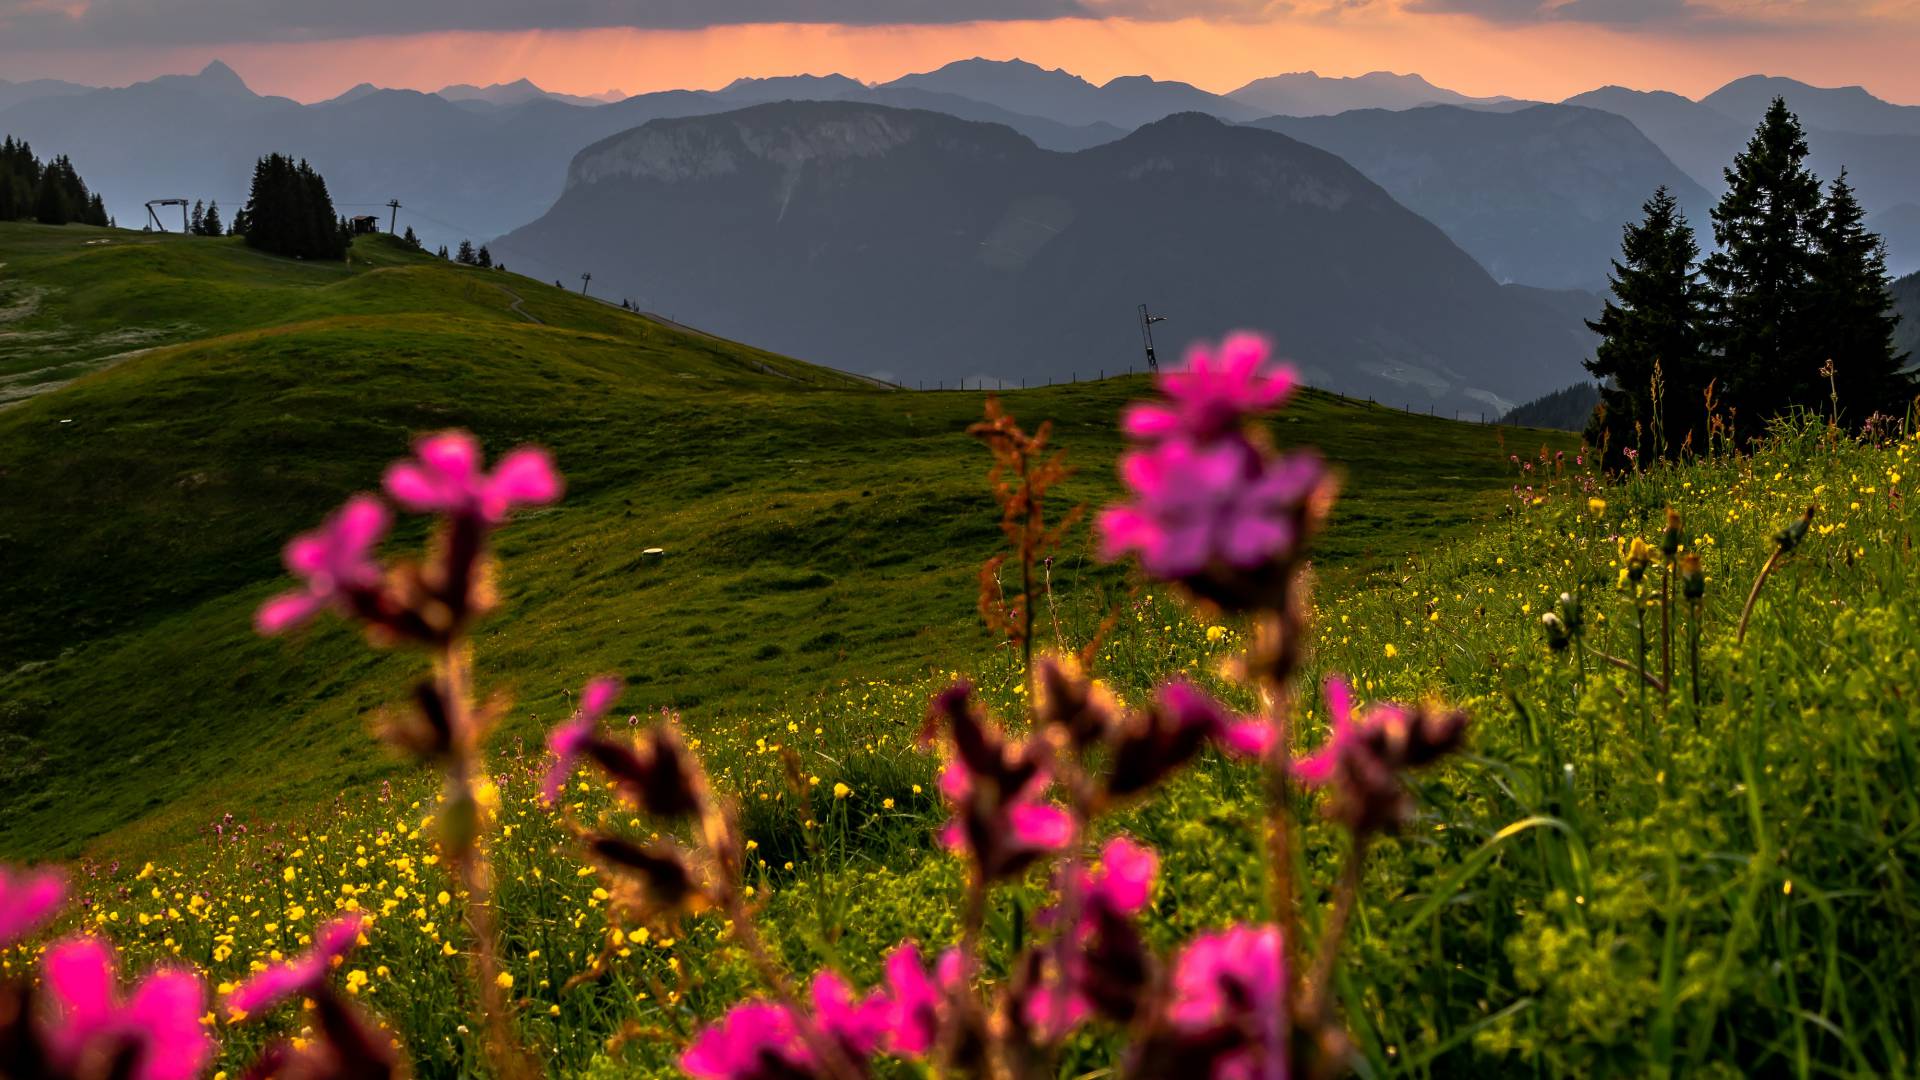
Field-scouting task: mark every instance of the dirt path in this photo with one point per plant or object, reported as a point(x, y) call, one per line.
point(518, 307)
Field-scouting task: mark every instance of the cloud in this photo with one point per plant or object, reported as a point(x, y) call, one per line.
point(1652, 14)
point(92, 23)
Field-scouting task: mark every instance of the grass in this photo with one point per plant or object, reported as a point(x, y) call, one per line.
point(1609, 883)
point(819, 531)
point(1713, 880)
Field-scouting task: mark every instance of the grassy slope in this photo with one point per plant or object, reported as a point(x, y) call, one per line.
point(818, 529)
point(1606, 884)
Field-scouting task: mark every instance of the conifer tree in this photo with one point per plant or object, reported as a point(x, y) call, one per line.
point(289, 212)
point(1759, 277)
point(197, 223)
point(443, 251)
point(485, 259)
point(210, 225)
point(410, 239)
point(1651, 361)
point(465, 257)
point(1850, 308)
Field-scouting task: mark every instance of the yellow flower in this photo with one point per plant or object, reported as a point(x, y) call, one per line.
point(443, 898)
point(1215, 633)
point(504, 980)
point(841, 791)
point(288, 874)
point(1392, 651)
point(1596, 506)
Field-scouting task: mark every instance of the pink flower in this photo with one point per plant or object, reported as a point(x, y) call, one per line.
point(305, 975)
point(1154, 742)
point(570, 739)
point(1213, 394)
point(155, 1034)
point(1198, 506)
point(28, 898)
point(336, 560)
point(1229, 996)
point(998, 790)
point(1363, 757)
point(917, 1001)
point(1124, 881)
point(761, 1040)
point(446, 477)
point(1007, 833)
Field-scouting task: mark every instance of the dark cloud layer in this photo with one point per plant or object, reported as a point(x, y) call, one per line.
point(1613, 12)
point(152, 22)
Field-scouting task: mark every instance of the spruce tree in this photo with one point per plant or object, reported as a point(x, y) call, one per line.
point(210, 225)
point(1759, 277)
point(484, 260)
point(1651, 362)
point(1850, 311)
point(197, 223)
point(465, 257)
point(410, 239)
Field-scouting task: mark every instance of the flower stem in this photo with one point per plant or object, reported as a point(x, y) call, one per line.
point(1766, 571)
point(1346, 896)
point(468, 855)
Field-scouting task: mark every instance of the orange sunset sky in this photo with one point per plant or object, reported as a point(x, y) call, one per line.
point(1545, 49)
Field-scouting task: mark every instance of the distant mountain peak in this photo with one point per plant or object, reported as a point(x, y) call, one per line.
point(219, 73)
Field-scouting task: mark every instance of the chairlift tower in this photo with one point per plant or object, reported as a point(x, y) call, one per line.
point(1147, 319)
point(584, 280)
point(154, 217)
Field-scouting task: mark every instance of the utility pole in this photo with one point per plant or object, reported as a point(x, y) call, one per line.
point(584, 278)
point(1147, 319)
point(393, 219)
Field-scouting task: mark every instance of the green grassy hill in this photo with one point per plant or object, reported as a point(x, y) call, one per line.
point(177, 407)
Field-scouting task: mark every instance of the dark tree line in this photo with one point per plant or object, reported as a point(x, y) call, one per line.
point(1792, 310)
point(51, 194)
point(205, 219)
point(289, 212)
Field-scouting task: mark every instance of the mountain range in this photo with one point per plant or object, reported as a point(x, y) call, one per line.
point(1307, 93)
point(916, 246)
point(1537, 194)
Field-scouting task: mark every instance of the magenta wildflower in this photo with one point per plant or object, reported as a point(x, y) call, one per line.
point(1205, 505)
point(569, 740)
point(1213, 394)
point(446, 477)
point(916, 1000)
point(1363, 757)
point(28, 898)
point(304, 975)
point(154, 1034)
point(1155, 742)
point(1124, 881)
point(337, 562)
point(1229, 1003)
point(998, 788)
point(762, 1040)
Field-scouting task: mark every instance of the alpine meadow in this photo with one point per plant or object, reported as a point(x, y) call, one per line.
point(959, 569)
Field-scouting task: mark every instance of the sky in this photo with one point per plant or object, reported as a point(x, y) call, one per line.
point(1539, 49)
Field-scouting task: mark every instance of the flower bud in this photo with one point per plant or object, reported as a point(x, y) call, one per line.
point(1670, 540)
point(1693, 577)
point(1790, 537)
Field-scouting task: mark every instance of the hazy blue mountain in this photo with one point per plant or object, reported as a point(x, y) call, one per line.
point(1048, 134)
point(924, 247)
point(1906, 302)
point(1538, 195)
point(464, 169)
point(1700, 140)
point(1900, 227)
point(519, 92)
point(13, 93)
point(1307, 93)
point(1703, 139)
point(1021, 87)
point(1839, 108)
point(792, 88)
